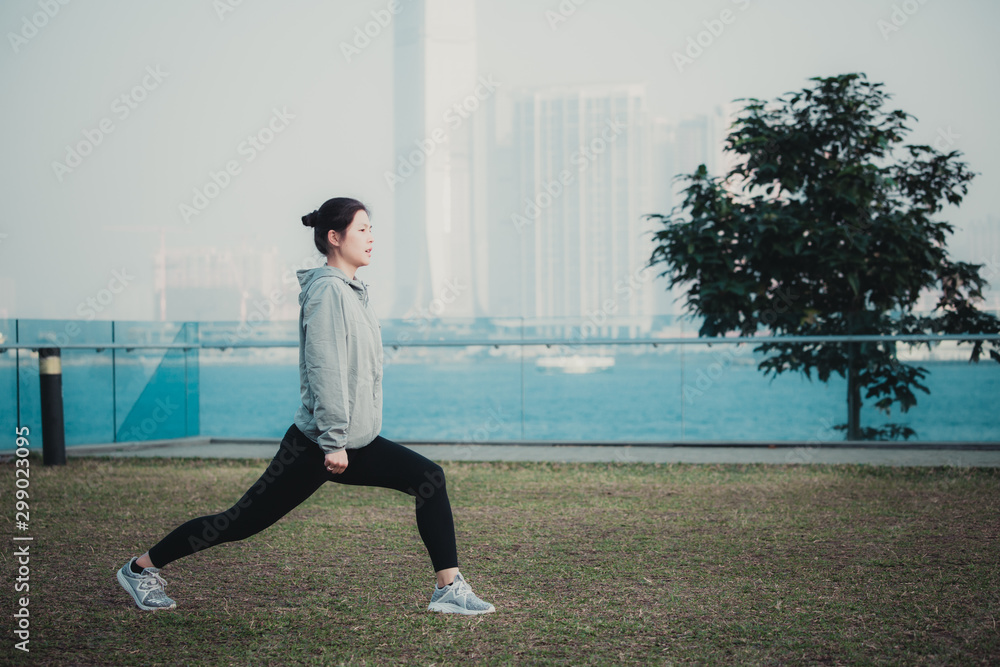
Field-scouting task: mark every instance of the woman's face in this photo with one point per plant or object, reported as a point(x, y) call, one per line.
point(356, 241)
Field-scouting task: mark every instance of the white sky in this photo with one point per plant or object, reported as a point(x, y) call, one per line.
point(60, 241)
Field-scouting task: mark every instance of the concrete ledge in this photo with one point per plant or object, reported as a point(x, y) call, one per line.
point(788, 444)
point(615, 454)
point(85, 450)
point(715, 455)
point(225, 447)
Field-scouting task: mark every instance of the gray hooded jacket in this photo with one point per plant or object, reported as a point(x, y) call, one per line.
point(340, 361)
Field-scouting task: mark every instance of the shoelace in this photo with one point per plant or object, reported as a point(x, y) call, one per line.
point(461, 589)
point(152, 581)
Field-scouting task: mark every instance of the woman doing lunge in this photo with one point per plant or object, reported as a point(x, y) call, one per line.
point(335, 434)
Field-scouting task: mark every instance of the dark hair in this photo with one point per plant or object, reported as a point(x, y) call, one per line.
point(336, 214)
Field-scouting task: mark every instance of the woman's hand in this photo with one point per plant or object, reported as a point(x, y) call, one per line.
point(336, 462)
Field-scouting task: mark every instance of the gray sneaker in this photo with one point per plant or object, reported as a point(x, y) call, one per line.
point(458, 598)
point(146, 588)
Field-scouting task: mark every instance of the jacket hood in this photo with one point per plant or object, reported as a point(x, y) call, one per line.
point(308, 277)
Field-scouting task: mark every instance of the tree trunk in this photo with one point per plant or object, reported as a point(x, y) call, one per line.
point(853, 394)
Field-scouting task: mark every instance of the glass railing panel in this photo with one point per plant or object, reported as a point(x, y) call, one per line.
point(152, 384)
point(462, 394)
point(725, 398)
point(961, 406)
point(237, 334)
point(9, 399)
point(570, 390)
point(58, 333)
point(155, 386)
point(248, 393)
point(8, 330)
point(602, 393)
point(88, 405)
point(86, 378)
point(425, 327)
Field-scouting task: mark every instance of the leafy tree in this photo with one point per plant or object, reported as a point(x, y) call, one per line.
point(819, 230)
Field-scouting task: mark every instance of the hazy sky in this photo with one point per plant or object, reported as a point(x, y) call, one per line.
point(207, 81)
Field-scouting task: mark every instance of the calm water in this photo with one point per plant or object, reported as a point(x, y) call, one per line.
point(641, 399)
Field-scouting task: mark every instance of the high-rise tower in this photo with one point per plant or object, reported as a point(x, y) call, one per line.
point(439, 200)
point(583, 162)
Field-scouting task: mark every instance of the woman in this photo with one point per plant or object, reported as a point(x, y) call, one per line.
point(334, 436)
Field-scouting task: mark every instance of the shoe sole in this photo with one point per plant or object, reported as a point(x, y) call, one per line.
point(128, 589)
point(451, 609)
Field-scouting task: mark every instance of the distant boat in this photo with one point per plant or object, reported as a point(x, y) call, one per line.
point(575, 364)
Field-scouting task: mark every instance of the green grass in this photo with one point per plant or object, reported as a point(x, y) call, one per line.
point(586, 563)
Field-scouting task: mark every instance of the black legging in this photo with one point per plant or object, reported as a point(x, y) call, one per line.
point(297, 470)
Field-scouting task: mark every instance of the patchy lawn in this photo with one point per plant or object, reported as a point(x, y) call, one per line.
point(586, 563)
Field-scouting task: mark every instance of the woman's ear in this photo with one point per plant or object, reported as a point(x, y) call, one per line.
point(331, 238)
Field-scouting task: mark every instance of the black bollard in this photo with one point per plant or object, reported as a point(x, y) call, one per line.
point(53, 427)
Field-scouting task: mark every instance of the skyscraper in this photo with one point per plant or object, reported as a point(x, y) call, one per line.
point(678, 150)
point(665, 194)
point(504, 276)
point(583, 164)
point(211, 284)
point(438, 190)
point(701, 140)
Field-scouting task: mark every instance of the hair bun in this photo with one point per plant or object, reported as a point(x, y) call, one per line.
point(310, 219)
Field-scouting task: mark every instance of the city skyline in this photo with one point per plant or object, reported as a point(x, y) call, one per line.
point(223, 143)
point(582, 158)
point(438, 90)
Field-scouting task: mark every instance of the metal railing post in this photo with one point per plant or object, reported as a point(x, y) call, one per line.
point(53, 426)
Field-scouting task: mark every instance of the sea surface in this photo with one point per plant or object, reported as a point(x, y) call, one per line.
point(643, 398)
